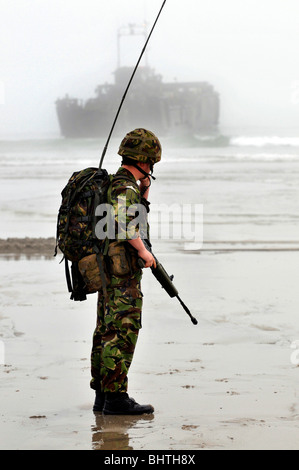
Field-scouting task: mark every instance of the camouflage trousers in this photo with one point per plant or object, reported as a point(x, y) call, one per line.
point(116, 334)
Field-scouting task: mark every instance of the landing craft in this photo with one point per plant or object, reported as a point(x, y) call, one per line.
point(170, 109)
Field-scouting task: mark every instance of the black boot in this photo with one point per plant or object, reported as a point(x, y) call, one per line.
point(99, 402)
point(122, 404)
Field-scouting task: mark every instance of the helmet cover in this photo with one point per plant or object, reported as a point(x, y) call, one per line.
point(141, 145)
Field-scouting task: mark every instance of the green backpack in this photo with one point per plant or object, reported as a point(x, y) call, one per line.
point(76, 224)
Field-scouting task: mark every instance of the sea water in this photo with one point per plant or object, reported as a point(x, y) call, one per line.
point(245, 192)
point(234, 369)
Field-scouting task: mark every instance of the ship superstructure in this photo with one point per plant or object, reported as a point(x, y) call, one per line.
point(166, 108)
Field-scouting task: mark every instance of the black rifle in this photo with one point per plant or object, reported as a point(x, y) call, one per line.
point(166, 281)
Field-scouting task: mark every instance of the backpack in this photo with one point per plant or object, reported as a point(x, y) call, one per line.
point(76, 223)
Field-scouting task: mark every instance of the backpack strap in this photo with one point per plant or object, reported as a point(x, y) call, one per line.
point(122, 177)
point(68, 275)
point(102, 272)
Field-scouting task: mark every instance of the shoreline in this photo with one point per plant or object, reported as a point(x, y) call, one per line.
point(41, 246)
point(28, 246)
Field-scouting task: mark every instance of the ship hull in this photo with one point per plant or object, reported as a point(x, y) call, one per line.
point(167, 109)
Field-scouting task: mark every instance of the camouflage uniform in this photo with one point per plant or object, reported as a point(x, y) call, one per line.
point(118, 316)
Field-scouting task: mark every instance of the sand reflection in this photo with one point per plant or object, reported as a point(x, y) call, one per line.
point(117, 432)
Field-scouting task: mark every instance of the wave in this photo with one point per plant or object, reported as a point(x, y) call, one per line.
point(264, 141)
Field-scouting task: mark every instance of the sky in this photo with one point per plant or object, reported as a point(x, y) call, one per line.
point(248, 50)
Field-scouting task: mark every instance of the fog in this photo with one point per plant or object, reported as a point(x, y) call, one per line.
point(247, 49)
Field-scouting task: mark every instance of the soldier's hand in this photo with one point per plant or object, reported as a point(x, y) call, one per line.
point(144, 187)
point(147, 258)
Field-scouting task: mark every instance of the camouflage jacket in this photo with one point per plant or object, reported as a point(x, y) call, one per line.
point(130, 209)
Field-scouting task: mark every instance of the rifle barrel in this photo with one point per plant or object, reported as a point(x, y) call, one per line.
point(193, 319)
point(168, 286)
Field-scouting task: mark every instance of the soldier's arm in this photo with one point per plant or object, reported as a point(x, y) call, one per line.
point(122, 198)
point(143, 253)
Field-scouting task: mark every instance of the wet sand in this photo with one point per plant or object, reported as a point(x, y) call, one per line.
point(230, 382)
point(28, 246)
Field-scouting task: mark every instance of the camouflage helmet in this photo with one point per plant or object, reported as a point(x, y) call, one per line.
point(141, 145)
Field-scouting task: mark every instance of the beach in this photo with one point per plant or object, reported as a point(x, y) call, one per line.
point(228, 383)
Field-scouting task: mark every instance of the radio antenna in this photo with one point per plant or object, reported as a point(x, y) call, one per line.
point(128, 86)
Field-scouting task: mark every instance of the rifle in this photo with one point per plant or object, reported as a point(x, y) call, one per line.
point(166, 281)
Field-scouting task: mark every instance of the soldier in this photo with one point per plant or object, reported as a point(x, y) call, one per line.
point(119, 314)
